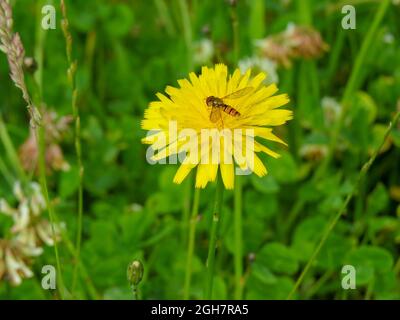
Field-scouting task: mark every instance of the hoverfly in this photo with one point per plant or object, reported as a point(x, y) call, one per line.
point(218, 104)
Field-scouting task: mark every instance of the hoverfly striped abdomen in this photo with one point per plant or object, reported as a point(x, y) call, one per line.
point(231, 111)
point(218, 104)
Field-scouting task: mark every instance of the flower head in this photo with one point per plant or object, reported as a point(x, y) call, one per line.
point(29, 227)
point(306, 42)
point(212, 121)
point(28, 233)
point(15, 259)
point(276, 48)
point(293, 43)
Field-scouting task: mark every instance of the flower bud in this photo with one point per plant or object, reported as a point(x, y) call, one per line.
point(135, 272)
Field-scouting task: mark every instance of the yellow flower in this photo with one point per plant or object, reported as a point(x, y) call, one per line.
point(218, 132)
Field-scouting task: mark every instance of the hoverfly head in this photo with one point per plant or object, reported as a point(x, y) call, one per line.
point(209, 101)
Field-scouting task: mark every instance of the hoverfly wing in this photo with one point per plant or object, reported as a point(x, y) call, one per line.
point(238, 94)
point(215, 114)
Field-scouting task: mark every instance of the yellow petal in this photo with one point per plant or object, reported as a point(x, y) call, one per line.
point(259, 147)
point(183, 172)
point(202, 176)
point(228, 176)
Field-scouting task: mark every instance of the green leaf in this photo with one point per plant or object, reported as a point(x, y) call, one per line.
point(378, 258)
point(334, 251)
point(284, 169)
point(369, 260)
point(396, 137)
point(306, 235)
point(262, 273)
point(275, 291)
point(367, 104)
point(219, 289)
point(378, 133)
point(378, 200)
point(278, 258)
point(383, 224)
point(260, 206)
point(386, 286)
point(69, 182)
point(119, 20)
point(265, 184)
point(164, 202)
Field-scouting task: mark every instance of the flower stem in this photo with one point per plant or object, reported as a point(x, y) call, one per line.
point(40, 132)
point(71, 73)
point(213, 237)
point(236, 35)
point(6, 174)
point(135, 292)
point(187, 195)
point(238, 253)
point(187, 31)
point(342, 211)
point(89, 286)
point(165, 17)
point(191, 241)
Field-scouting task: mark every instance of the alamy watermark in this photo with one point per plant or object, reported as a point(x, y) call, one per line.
point(49, 279)
point(349, 278)
point(49, 17)
point(209, 146)
point(349, 20)
point(49, 20)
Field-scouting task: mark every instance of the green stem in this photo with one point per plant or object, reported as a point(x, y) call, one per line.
point(370, 289)
point(85, 275)
point(334, 58)
point(135, 292)
point(292, 216)
point(342, 211)
point(165, 17)
point(41, 144)
point(236, 34)
point(39, 47)
point(6, 174)
point(238, 253)
point(187, 195)
point(80, 189)
point(304, 11)
point(11, 153)
point(71, 74)
point(187, 31)
point(43, 182)
point(213, 237)
point(318, 284)
point(191, 242)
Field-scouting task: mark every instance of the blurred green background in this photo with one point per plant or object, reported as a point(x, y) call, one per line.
point(129, 50)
